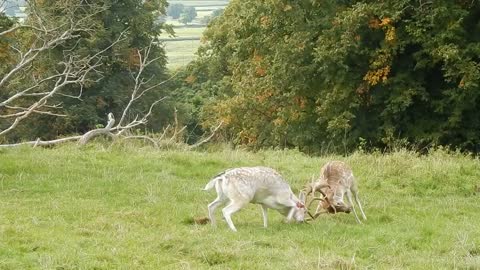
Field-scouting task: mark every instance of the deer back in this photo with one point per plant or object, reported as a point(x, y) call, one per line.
point(337, 173)
point(255, 184)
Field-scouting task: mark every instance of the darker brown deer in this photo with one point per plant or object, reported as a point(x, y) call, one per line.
point(336, 180)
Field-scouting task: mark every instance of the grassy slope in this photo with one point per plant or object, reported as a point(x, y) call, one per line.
point(67, 208)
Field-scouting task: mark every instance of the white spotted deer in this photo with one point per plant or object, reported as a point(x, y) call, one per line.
point(336, 180)
point(259, 185)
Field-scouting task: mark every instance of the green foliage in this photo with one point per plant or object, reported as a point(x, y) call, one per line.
point(188, 102)
point(175, 10)
point(90, 208)
point(321, 74)
point(188, 15)
point(216, 13)
point(411, 65)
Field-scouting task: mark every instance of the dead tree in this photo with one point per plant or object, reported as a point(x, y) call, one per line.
point(24, 92)
point(127, 121)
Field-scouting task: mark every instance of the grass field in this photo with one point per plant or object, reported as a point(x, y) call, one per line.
point(189, 31)
point(125, 208)
point(180, 52)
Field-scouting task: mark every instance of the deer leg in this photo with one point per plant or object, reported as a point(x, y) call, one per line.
point(357, 199)
point(216, 203)
point(211, 209)
point(228, 211)
point(290, 214)
point(349, 198)
point(264, 214)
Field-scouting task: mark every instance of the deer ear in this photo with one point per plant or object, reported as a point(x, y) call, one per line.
point(302, 196)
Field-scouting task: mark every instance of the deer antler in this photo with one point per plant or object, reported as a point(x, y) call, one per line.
point(315, 199)
point(311, 188)
point(324, 199)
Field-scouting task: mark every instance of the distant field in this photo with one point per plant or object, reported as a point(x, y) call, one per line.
point(189, 31)
point(199, 3)
point(180, 52)
point(209, 8)
point(132, 208)
point(203, 13)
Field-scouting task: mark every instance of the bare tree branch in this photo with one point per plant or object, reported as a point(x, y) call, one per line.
point(42, 143)
point(99, 131)
point(48, 31)
point(24, 110)
point(47, 37)
point(140, 87)
point(137, 122)
point(75, 71)
point(207, 138)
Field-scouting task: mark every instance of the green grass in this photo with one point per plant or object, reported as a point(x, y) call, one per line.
point(186, 32)
point(180, 52)
point(93, 208)
point(189, 31)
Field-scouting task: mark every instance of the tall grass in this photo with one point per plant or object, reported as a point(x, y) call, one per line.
point(96, 208)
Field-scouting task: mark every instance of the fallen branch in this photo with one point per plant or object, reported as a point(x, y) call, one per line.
point(42, 143)
point(82, 139)
point(99, 131)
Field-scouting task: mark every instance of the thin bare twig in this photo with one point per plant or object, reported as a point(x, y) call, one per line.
point(207, 138)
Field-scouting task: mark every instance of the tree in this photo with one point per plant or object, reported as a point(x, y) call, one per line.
point(175, 10)
point(188, 15)
point(110, 94)
point(216, 13)
point(310, 75)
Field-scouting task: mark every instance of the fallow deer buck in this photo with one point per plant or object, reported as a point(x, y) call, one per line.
point(336, 180)
point(259, 185)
